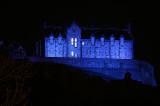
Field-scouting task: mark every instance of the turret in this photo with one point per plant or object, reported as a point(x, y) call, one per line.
point(121, 40)
point(51, 37)
point(92, 39)
point(112, 38)
point(102, 39)
point(59, 38)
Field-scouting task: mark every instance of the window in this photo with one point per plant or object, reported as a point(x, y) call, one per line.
point(112, 43)
point(61, 52)
point(97, 52)
point(107, 52)
point(75, 54)
point(75, 39)
point(127, 54)
point(75, 42)
point(116, 53)
point(71, 41)
point(88, 52)
point(51, 51)
point(72, 53)
point(82, 43)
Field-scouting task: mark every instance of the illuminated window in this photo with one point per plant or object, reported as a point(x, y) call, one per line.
point(71, 41)
point(75, 42)
point(82, 43)
point(75, 39)
point(72, 53)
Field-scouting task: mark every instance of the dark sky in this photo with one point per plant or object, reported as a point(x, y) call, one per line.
point(22, 21)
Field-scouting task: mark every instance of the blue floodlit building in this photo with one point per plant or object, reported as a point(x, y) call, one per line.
point(112, 56)
point(75, 47)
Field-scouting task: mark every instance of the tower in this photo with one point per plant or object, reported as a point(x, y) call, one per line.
point(74, 41)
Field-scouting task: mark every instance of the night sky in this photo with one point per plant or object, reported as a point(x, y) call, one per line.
point(22, 21)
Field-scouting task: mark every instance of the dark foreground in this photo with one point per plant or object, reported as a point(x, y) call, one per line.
point(25, 83)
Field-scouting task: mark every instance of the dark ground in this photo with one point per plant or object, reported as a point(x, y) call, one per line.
point(26, 83)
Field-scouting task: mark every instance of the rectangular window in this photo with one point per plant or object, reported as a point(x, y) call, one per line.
point(97, 52)
point(112, 43)
point(75, 39)
point(116, 53)
point(71, 41)
point(72, 53)
point(75, 42)
point(51, 51)
point(88, 52)
point(82, 43)
point(75, 54)
point(61, 52)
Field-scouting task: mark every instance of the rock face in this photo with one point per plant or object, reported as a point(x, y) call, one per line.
point(115, 68)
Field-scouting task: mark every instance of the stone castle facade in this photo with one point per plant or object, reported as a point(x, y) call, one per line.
point(74, 47)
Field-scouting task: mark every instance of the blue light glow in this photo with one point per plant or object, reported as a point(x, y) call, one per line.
point(93, 48)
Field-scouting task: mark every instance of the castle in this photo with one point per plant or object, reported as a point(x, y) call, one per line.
point(74, 47)
point(112, 57)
